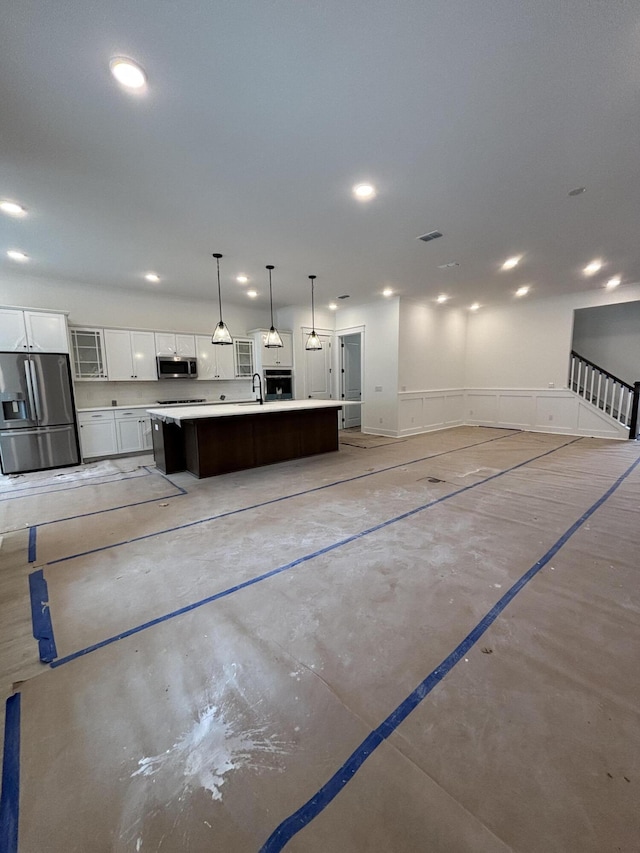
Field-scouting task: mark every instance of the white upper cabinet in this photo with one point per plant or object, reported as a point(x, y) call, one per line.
point(143, 355)
point(276, 357)
point(32, 331)
point(215, 361)
point(168, 343)
point(130, 355)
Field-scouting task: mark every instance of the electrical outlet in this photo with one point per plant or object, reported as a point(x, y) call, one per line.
point(550, 417)
point(378, 388)
point(380, 420)
point(470, 412)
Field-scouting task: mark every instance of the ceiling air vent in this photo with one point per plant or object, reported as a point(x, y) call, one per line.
point(346, 296)
point(432, 235)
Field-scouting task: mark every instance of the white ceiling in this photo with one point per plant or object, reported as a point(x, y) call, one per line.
point(474, 118)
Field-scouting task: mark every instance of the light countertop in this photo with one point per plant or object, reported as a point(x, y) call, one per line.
point(190, 413)
point(145, 406)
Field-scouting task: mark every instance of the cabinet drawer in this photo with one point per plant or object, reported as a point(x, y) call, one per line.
point(92, 417)
point(123, 414)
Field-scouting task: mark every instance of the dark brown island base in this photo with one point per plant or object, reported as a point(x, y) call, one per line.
point(210, 440)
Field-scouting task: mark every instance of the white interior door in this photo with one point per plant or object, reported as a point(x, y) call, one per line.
point(317, 369)
point(351, 377)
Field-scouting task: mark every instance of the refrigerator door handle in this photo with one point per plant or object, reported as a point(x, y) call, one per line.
point(32, 402)
point(35, 390)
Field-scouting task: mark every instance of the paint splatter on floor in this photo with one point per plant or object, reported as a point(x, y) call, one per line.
point(208, 752)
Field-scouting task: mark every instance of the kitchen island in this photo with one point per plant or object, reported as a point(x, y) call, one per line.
point(210, 440)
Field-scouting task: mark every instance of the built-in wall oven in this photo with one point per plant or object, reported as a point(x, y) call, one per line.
point(278, 384)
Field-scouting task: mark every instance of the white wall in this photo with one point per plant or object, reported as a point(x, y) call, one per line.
point(526, 344)
point(431, 347)
point(93, 306)
point(609, 336)
point(381, 321)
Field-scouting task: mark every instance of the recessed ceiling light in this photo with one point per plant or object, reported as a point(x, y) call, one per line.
point(242, 279)
point(593, 267)
point(364, 192)
point(578, 191)
point(252, 294)
point(614, 282)
point(522, 291)
point(442, 298)
point(333, 306)
point(15, 255)
point(510, 263)
point(387, 292)
point(474, 307)
point(12, 208)
point(128, 73)
point(152, 276)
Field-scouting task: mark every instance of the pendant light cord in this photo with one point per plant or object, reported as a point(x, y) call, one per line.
point(219, 296)
point(313, 310)
point(270, 295)
point(270, 299)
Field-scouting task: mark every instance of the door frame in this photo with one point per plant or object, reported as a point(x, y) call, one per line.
point(329, 334)
point(337, 366)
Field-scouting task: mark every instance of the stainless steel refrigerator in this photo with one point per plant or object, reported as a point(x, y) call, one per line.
point(37, 415)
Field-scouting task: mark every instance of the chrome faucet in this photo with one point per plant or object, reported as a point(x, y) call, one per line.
point(253, 386)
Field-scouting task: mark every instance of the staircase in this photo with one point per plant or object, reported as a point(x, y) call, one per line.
point(605, 391)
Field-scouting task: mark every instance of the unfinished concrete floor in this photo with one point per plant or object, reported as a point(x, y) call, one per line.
point(425, 645)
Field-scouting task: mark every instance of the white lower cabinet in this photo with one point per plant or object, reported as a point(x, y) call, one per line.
point(107, 432)
point(97, 434)
point(133, 430)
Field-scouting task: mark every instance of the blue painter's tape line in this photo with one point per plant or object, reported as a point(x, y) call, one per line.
point(41, 616)
point(164, 477)
point(10, 796)
point(305, 559)
point(29, 491)
point(32, 544)
point(180, 493)
point(278, 500)
point(321, 799)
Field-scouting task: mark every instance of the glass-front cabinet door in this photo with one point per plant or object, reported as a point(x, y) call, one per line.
point(243, 358)
point(88, 354)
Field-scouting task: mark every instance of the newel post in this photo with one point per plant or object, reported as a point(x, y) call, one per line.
point(633, 424)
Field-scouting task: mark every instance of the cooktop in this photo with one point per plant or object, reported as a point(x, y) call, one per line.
point(172, 402)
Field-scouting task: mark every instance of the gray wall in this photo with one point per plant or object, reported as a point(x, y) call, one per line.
point(609, 335)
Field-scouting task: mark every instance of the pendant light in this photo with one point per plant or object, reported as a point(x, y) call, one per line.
point(221, 335)
point(313, 341)
point(273, 339)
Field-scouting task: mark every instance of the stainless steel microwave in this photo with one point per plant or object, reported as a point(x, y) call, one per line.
point(177, 367)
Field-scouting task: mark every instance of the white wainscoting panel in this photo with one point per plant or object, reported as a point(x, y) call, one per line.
point(424, 411)
point(557, 410)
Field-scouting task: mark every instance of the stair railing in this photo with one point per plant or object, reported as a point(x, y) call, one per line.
point(607, 392)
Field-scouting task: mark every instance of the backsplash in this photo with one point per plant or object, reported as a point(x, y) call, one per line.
point(90, 395)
